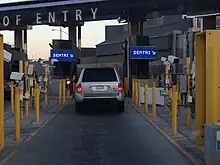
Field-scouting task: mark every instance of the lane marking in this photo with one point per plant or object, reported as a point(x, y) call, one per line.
point(7, 158)
point(173, 142)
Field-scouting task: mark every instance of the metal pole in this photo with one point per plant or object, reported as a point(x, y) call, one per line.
point(188, 91)
point(138, 94)
point(12, 97)
point(174, 110)
point(46, 88)
point(133, 95)
point(128, 57)
point(60, 92)
point(136, 91)
point(64, 90)
point(2, 128)
point(154, 111)
point(146, 97)
point(22, 91)
point(79, 37)
point(166, 85)
point(17, 114)
point(60, 32)
point(26, 102)
point(37, 101)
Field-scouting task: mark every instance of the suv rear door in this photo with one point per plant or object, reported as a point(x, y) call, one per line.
point(100, 82)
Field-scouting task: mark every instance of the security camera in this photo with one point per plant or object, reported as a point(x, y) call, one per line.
point(53, 61)
point(17, 76)
point(119, 19)
point(184, 16)
point(173, 59)
point(163, 59)
point(166, 63)
point(7, 56)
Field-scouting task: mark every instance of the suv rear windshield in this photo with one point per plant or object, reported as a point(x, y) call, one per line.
point(99, 75)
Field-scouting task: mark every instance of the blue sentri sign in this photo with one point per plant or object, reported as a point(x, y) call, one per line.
point(143, 52)
point(62, 55)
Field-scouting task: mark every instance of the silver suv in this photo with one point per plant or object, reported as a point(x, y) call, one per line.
point(99, 84)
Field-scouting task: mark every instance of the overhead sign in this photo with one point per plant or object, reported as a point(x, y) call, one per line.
point(39, 18)
point(62, 55)
point(143, 52)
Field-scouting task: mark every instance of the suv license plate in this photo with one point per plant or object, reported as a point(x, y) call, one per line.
point(100, 88)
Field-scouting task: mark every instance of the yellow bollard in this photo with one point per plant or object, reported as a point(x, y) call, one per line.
point(21, 66)
point(22, 111)
point(60, 91)
point(2, 129)
point(26, 106)
point(46, 87)
point(46, 93)
point(17, 114)
point(32, 89)
point(133, 91)
point(37, 102)
point(154, 112)
point(64, 91)
point(29, 91)
point(12, 97)
point(34, 93)
point(139, 92)
point(146, 97)
point(174, 110)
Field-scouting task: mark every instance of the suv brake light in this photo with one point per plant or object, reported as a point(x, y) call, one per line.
point(79, 88)
point(120, 87)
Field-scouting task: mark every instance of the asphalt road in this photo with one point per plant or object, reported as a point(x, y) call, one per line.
point(98, 139)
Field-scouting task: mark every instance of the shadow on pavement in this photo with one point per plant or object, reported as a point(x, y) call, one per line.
point(96, 110)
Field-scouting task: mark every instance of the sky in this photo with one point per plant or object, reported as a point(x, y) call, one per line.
point(40, 37)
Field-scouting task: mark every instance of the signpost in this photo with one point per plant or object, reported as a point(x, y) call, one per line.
point(62, 55)
point(143, 52)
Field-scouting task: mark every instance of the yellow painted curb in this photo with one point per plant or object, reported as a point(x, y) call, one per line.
point(173, 142)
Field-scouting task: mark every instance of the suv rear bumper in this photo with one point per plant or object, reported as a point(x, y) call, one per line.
point(79, 98)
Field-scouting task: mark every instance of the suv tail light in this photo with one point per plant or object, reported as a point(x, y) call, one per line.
point(79, 88)
point(120, 87)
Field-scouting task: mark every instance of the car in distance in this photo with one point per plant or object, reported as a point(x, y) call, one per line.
point(99, 84)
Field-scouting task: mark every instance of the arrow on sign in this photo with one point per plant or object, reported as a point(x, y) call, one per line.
point(153, 52)
point(71, 55)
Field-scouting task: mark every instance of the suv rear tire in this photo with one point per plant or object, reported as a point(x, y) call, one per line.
point(121, 106)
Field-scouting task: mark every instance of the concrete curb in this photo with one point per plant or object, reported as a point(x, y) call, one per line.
point(7, 158)
point(173, 142)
